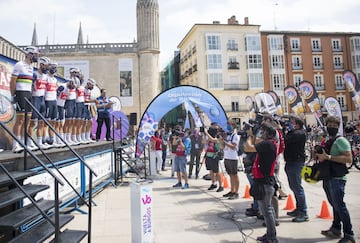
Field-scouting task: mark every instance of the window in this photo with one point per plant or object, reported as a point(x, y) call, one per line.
point(336, 44)
point(233, 64)
point(338, 64)
point(256, 80)
point(278, 81)
point(339, 82)
point(296, 63)
point(277, 61)
point(355, 44)
point(356, 61)
point(214, 61)
point(342, 101)
point(252, 43)
point(232, 59)
point(213, 42)
point(232, 45)
point(321, 99)
point(275, 42)
point(319, 83)
point(215, 81)
point(316, 44)
point(295, 44)
point(317, 63)
point(234, 106)
point(254, 61)
point(297, 79)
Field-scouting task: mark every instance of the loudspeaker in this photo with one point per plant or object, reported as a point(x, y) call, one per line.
point(133, 118)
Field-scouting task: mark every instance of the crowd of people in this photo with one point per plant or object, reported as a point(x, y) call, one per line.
point(262, 145)
point(67, 106)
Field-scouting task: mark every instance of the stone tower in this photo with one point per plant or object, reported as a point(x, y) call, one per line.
point(147, 12)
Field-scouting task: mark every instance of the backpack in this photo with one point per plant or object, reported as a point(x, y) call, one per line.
point(187, 144)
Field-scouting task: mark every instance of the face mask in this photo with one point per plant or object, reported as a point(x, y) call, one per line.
point(229, 127)
point(332, 131)
point(44, 70)
point(53, 70)
point(34, 59)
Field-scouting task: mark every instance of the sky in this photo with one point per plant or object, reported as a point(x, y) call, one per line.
point(114, 21)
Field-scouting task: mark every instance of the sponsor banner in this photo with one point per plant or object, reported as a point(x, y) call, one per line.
point(277, 102)
point(294, 100)
point(170, 99)
point(309, 94)
point(352, 85)
point(265, 103)
point(332, 107)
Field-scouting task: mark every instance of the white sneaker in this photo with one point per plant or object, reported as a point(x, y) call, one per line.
point(17, 148)
point(44, 146)
point(61, 144)
point(84, 141)
point(32, 147)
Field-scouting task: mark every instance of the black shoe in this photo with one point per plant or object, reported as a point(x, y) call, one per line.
point(228, 194)
point(189, 176)
point(212, 186)
point(220, 189)
point(332, 233)
point(301, 218)
point(109, 139)
point(234, 196)
point(293, 213)
point(251, 213)
point(260, 216)
point(177, 185)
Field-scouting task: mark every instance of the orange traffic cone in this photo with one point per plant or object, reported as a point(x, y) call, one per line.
point(247, 192)
point(324, 213)
point(225, 181)
point(289, 203)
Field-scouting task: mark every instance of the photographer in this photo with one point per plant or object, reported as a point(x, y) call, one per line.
point(337, 153)
point(182, 144)
point(263, 174)
point(214, 147)
point(294, 156)
point(231, 144)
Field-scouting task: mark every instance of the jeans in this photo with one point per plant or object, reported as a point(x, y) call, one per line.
point(255, 205)
point(268, 211)
point(194, 156)
point(293, 172)
point(164, 152)
point(335, 191)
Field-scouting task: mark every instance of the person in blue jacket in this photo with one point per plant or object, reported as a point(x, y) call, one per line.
point(103, 109)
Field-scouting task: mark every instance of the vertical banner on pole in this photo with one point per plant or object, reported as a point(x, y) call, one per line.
point(294, 100)
point(141, 212)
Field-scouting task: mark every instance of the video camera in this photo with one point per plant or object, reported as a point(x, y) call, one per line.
point(253, 124)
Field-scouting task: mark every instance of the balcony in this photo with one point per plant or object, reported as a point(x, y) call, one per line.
point(297, 66)
point(340, 87)
point(337, 49)
point(316, 49)
point(338, 66)
point(318, 66)
point(232, 47)
point(320, 87)
point(233, 65)
point(235, 86)
point(295, 49)
point(239, 108)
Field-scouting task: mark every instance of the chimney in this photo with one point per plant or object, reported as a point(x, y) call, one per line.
point(246, 21)
point(232, 20)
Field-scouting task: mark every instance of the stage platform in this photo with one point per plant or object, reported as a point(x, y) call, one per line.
point(15, 161)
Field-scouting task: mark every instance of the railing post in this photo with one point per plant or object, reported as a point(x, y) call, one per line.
point(25, 138)
point(57, 212)
point(90, 206)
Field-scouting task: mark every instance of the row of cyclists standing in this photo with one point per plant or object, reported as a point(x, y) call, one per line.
point(66, 106)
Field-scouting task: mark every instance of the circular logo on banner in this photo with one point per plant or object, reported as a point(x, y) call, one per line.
point(306, 90)
point(291, 94)
point(117, 103)
point(7, 110)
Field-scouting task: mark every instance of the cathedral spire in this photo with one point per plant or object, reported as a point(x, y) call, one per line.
point(80, 39)
point(34, 40)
